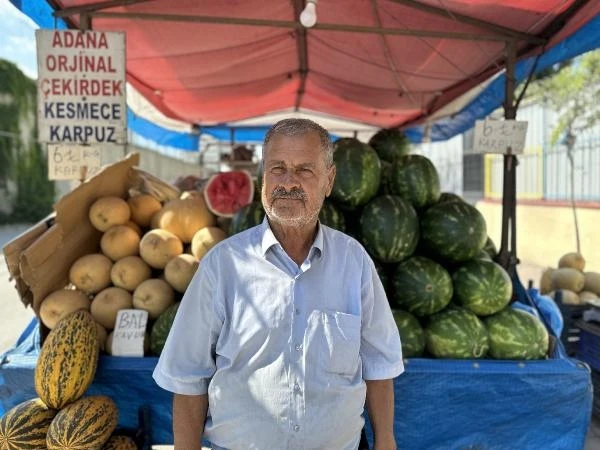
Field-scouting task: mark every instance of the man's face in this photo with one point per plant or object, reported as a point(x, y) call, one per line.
point(296, 179)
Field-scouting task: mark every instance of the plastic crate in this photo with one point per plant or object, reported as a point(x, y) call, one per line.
point(589, 344)
point(596, 387)
point(570, 335)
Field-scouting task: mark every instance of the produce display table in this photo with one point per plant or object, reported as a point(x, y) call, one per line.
point(439, 404)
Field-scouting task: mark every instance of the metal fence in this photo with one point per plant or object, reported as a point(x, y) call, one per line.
point(546, 175)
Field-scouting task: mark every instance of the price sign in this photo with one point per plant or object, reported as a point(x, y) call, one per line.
point(498, 136)
point(129, 333)
point(72, 162)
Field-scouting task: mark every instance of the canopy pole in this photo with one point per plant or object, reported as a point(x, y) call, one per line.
point(507, 256)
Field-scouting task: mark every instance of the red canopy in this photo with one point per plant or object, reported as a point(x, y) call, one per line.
point(381, 62)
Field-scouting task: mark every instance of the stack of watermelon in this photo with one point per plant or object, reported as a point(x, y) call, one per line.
point(431, 250)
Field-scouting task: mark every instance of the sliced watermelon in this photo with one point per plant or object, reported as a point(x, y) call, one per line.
point(226, 192)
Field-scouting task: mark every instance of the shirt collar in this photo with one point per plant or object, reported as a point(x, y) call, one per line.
point(269, 239)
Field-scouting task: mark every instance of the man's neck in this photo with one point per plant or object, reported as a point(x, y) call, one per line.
point(296, 241)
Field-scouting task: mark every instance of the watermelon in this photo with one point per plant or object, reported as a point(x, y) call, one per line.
point(358, 173)
point(331, 216)
point(415, 178)
point(449, 197)
point(226, 192)
point(386, 174)
point(389, 228)
point(390, 144)
point(490, 248)
point(422, 286)
point(161, 328)
point(454, 231)
point(516, 334)
point(481, 286)
point(456, 333)
point(412, 336)
point(247, 217)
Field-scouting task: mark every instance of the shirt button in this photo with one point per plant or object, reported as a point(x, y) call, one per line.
point(298, 347)
point(297, 312)
point(297, 387)
point(296, 427)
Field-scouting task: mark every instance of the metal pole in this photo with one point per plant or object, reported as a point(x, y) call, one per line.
point(507, 256)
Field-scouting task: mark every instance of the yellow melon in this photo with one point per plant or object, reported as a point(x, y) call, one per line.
point(107, 303)
point(574, 260)
point(129, 272)
point(61, 303)
point(568, 278)
point(153, 295)
point(120, 241)
point(158, 247)
point(91, 273)
point(108, 211)
point(180, 270)
point(135, 227)
point(185, 216)
point(205, 239)
point(143, 207)
point(101, 334)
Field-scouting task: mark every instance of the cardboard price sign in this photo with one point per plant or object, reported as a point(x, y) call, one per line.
point(498, 136)
point(129, 332)
point(81, 87)
point(72, 162)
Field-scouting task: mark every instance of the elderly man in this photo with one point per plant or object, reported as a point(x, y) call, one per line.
point(285, 331)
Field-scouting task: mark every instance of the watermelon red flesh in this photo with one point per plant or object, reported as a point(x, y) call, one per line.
point(226, 192)
point(422, 286)
point(389, 228)
point(516, 334)
point(456, 333)
point(415, 178)
point(481, 286)
point(358, 172)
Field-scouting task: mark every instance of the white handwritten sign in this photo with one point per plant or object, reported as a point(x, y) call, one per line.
point(72, 162)
point(497, 136)
point(129, 332)
point(81, 87)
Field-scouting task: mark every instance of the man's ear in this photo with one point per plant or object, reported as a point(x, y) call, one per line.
point(331, 180)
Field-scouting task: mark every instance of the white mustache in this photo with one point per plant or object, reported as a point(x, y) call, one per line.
point(293, 194)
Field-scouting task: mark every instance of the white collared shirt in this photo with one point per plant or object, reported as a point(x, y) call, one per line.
point(283, 351)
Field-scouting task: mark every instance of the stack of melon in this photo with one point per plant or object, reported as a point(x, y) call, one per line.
point(62, 418)
point(146, 258)
point(577, 286)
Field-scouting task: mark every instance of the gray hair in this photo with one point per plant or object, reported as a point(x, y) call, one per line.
point(301, 127)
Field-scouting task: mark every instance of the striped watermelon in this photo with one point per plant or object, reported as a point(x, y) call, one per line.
point(412, 335)
point(386, 174)
point(456, 333)
point(24, 426)
point(86, 424)
point(490, 248)
point(247, 217)
point(422, 286)
point(390, 144)
point(449, 197)
point(415, 178)
point(389, 228)
point(331, 216)
point(481, 286)
point(454, 231)
point(516, 334)
point(161, 328)
point(358, 173)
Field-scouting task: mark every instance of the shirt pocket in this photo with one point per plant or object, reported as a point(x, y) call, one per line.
point(342, 341)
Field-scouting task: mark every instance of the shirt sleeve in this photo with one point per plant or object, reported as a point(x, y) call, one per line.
point(381, 351)
point(187, 361)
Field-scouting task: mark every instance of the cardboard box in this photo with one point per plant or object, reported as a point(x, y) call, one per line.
point(39, 259)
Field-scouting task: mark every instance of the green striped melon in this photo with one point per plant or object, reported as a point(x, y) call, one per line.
point(161, 328)
point(415, 178)
point(358, 173)
point(481, 286)
point(411, 332)
point(456, 333)
point(389, 228)
point(86, 424)
point(386, 175)
point(446, 197)
point(246, 217)
point(25, 425)
point(67, 361)
point(453, 231)
point(490, 248)
point(516, 334)
point(421, 286)
point(331, 216)
point(390, 144)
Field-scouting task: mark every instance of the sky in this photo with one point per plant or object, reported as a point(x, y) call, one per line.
point(17, 39)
